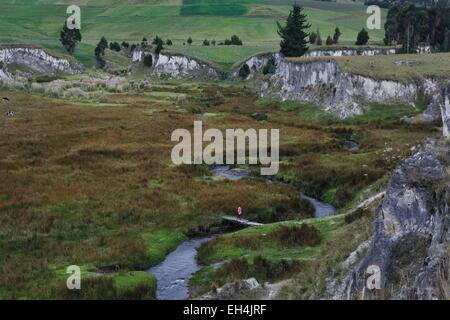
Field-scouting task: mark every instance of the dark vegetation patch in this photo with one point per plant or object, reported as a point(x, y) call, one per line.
point(212, 8)
point(304, 235)
point(261, 268)
point(407, 259)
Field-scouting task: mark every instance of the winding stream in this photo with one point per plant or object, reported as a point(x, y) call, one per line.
point(174, 272)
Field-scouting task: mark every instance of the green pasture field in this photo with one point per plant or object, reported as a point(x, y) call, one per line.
point(254, 21)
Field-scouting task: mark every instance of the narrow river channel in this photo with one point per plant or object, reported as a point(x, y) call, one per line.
point(174, 272)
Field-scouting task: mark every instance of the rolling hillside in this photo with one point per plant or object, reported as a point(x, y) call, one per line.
point(254, 21)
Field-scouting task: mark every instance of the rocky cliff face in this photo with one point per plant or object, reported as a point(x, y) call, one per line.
point(445, 112)
point(349, 52)
point(178, 66)
point(411, 240)
point(36, 59)
point(322, 82)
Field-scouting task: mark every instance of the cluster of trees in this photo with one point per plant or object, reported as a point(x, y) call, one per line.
point(295, 36)
point(207, 42)
point(409, 26)
point(156, 41)
point(315, 38)
point(387, 4)
point(234, 40)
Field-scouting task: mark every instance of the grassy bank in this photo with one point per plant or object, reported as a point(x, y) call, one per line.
point(405, 68)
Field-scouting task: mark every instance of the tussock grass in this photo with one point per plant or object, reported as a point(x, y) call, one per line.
point(92, 183)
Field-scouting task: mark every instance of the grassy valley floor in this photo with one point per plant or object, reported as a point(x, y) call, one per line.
point(91, 183)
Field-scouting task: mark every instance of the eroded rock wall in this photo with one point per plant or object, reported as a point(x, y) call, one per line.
point(445, 112)
point(349, 52)
point(178, 66)
point(410, 242)
point(35, 58)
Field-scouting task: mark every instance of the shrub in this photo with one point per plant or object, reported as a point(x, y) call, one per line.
point(342, 196)
point(169, 42)
point(235, 269)
point(244, 72)
point(305, 234)
point(205, 42)
point(189, 40)
point(195, 110)
point(356, 215)
point(236, 41)
point(148, 60)
point(92, 288)
point(270, 67)
point(266, 270)
point(45, 78)
point(114, 46)
point(259, 116)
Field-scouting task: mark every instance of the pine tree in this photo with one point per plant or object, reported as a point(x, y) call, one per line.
point(312, 37)
point(100, 52)
point(189, 40)
point(294, 35)
point(157, 40)
point(329, 41)
point(158, 48)
point(337, 34)
point(69, 38)
point(318, 38)
point(446, 44)
point(362, 38)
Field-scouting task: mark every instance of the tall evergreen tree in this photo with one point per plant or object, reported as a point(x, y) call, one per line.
point(336, 36)
point(100, 52)
point(329, 41)
point(362, 38)
point(312, 37)
point(157, 40)
point(69, 38)
point(318, 41)
point(295, 34)
point(159, 48)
